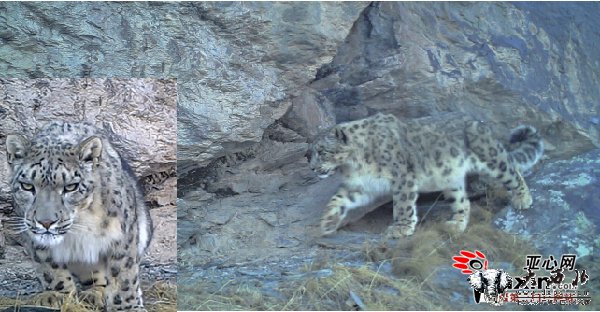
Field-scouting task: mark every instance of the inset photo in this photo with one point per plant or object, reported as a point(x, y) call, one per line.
point(88, 194)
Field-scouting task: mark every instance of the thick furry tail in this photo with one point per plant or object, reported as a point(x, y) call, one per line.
point(526, 147)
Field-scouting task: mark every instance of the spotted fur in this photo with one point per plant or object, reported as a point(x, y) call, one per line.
point(81, 213)
point(383, 158)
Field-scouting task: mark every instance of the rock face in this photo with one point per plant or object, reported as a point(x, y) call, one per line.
point(500, 62)
point(237, 64)
point(139, 115)
point(242, 66)
point(253, 58)
point(564, 218)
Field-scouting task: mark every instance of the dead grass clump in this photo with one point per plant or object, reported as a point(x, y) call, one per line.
point(433, 245)
point(9, 302)
point(160, 297)
point(71, 304)
point(415, 257)
point(357, 288)
point(230, 297)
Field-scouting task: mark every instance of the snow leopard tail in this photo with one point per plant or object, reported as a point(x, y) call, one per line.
point(526, 147)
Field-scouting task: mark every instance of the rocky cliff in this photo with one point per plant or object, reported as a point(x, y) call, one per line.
point(242, 66)
point(237, 64)
point(499, 62)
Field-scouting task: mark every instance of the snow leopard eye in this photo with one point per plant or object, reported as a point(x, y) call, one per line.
point(27, 187)
point(71, 187)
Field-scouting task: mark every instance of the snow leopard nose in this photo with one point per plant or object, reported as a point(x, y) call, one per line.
point(47, 223)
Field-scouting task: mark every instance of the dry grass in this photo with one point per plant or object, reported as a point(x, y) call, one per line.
point(160, 297)
point(228, 298)
point(374, 290)
point(8, 302)
point(71, 304)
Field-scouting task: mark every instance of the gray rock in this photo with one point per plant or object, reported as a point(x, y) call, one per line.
point(270, 218)
point(220, 217)
point(564, 217)
point(310, 114)
point(284, 242)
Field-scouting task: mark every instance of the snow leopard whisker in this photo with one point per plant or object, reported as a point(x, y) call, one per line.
point(16, 231)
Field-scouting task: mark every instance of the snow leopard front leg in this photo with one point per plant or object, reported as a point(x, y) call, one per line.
point(93, 280)
point(123, 291)
point(56, 280)
point(337, 209)
point(461, 207)
point(404, 195)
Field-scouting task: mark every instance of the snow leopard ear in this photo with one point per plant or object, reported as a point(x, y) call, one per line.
point(16, 148)
point(90, 149)
point(341, 135)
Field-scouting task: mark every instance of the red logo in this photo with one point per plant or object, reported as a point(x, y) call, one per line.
point(470, 261)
